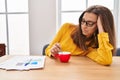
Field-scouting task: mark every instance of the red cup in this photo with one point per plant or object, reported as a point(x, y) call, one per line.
point(64, 56)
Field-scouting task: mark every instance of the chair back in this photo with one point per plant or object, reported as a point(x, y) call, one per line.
point(118, 52)
point(44, 47)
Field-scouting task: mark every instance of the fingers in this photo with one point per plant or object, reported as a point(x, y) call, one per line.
point(99, 21)
point(99, 24)
point(55, 49)
point(57, 45)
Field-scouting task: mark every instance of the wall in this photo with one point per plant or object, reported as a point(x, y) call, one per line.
point(42, 16)
point(118, 35)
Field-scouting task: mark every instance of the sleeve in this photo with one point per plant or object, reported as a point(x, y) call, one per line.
point(57, 38)
point(103, 54)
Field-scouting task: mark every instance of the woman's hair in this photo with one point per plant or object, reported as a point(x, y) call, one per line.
point(108, 25)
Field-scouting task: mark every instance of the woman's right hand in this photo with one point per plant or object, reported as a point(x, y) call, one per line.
point(55, 49)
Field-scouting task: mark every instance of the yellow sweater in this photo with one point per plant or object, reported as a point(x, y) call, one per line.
point(101, 55)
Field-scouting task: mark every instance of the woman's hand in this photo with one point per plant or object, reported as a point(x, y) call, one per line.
point(99, 24)
point(55, 49)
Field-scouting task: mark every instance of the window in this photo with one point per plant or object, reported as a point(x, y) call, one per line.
point(70, 10)
point(14, 26)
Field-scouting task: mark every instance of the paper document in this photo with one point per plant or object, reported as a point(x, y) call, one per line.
point(23, 63)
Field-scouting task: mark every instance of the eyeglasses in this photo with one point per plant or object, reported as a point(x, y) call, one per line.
point(88, 23)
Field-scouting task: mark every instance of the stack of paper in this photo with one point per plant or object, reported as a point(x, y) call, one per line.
point(23, 63)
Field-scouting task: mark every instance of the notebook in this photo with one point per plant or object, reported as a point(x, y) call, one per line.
point(23, 63)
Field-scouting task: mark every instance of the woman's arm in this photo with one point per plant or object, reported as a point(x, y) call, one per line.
point(54, 46)
point(103, 54)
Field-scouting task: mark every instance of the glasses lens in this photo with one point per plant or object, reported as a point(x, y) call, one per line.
point(88, 23)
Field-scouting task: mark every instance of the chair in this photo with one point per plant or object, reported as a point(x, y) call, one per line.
point(118, 52)
point(44, 47)
point(2, 49)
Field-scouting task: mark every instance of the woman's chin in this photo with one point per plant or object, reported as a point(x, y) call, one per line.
point(85, 34)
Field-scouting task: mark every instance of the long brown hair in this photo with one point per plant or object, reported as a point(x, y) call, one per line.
point(108, 25)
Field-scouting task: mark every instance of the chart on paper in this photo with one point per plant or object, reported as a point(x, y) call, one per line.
point(23, 63)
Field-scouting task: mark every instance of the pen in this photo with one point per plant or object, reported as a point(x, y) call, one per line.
point(28, 62)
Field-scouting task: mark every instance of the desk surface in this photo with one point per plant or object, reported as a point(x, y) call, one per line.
point(78, 68)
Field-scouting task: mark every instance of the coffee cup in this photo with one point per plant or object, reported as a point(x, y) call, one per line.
point(64, 56)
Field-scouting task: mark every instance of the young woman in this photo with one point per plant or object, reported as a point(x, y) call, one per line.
point(93, 37)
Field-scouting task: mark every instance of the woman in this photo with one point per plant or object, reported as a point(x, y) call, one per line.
point(94, 37)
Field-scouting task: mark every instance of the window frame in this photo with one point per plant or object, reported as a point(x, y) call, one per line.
point(6, 13)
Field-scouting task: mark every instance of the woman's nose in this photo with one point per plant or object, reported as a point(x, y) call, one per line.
point(84, 25)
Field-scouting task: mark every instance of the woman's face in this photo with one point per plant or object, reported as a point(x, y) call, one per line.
point(89, 24)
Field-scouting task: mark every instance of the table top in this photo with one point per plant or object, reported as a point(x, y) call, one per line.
point(78, 68)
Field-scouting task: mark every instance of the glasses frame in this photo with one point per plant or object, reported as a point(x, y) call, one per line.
point(88, 23)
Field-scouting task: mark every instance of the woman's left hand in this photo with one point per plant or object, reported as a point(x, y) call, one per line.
point(99, 25)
